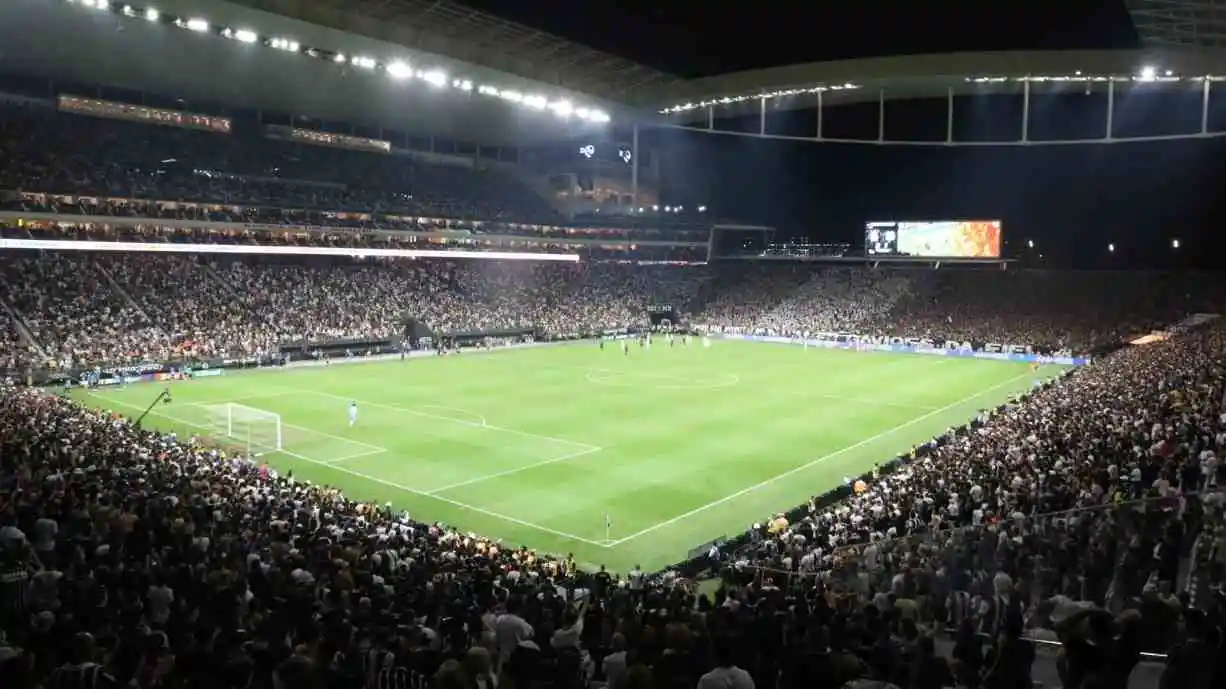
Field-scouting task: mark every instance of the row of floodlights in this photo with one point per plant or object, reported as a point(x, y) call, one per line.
point(766, 95)
point(398, 70)
point(667, 209)
point(1147, 74)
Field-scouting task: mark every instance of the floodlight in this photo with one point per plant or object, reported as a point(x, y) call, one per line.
point(197, 25)
point(399, 70)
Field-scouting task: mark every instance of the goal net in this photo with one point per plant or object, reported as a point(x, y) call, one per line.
point(257, 430)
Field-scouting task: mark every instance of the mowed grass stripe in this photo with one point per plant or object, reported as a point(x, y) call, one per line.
point(666, 450)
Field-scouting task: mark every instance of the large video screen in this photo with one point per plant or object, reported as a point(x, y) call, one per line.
point(940, 239)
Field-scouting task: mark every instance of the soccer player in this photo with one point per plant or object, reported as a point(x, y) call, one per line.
point(353, 413)
point(706, 342)
point(626, 347)
point(602, 344)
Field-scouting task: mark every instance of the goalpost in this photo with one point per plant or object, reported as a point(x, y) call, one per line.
point(257, 430)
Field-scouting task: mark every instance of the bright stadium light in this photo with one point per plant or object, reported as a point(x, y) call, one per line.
point(1029, 243)
point(463, 84)
point(363, 62)
point(197, 25)
point(1174, 243)
point(340, 57)
point(285, 44)
point(399, 70)
point(1111, 248)
point(245, 36)
point(434, 77)
point(1149, 73)
point(563, 108)
point(152, 15)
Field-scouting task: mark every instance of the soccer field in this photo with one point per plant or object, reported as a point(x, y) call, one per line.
point(536, 446)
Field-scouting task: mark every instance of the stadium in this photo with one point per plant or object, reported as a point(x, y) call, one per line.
point(402, 344)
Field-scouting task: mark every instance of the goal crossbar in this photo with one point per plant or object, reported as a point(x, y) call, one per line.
point(258, 430)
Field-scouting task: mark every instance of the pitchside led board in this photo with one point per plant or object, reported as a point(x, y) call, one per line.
point(934, 239)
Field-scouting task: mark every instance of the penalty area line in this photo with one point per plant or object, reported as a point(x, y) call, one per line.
point(449, 501)
point(463, 422)
point(815, 462)
point(374, 479)
point(515, 470)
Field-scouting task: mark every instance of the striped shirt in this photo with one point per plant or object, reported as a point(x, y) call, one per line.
point(83, 676)
point(15, 588)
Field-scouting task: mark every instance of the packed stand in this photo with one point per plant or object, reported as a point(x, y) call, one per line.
point(47, 151)
point(1073, 310)
point(68, 303)
point(92, 309)
point(134, 559)
point(799, 298)
point(1078, 311)
point(1088, 494)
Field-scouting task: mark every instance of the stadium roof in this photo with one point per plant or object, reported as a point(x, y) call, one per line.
point(921, 76)
point(183, 52)
point(1191, 23)
point(478, 38)
point(116, 48)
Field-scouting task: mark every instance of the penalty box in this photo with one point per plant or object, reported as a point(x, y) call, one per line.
point(442, 447)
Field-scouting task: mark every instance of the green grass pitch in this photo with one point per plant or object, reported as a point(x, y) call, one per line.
point(536, 446)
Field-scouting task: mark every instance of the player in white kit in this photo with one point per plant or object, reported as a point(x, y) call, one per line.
point(353, 413)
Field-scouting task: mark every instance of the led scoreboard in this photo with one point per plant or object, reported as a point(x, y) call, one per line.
point(939, 239)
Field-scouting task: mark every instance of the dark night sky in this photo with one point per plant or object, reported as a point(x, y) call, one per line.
point(694, 39)
point(1071, 200)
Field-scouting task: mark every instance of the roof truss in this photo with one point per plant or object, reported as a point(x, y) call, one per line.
point(1184, 23)
point(458, 32)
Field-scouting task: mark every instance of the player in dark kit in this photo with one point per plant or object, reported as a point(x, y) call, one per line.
point(602, 344)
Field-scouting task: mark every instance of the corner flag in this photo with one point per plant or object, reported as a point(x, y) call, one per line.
point(608, 524)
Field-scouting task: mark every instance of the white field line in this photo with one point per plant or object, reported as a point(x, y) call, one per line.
point(375, 479)
point(449, 501)
point(452, 419)
point(810, 464)
point(243, 398)
point(516, 470)
point(357, 455)
point(312, 431)
point(372, 449)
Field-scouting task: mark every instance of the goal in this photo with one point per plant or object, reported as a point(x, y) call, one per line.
point(258, 430)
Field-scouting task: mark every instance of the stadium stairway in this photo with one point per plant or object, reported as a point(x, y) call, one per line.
point(23, 328)
point(119, 289)
point(211, 271)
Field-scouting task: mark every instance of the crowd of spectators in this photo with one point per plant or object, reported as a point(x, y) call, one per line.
point(134, 558)
point(1088, 510)
point(798, 298)
point(42, 150)
point(89, 309)
point(1067, 310)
